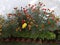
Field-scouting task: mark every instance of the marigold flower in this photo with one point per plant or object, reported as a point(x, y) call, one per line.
point(24, 25)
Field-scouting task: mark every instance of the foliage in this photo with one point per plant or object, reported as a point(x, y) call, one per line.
point(34, 22)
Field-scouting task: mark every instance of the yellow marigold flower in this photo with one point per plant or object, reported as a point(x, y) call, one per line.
point(24, 25)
